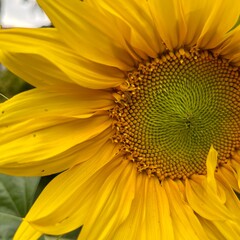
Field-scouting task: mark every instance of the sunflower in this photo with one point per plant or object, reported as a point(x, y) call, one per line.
point(136, 104)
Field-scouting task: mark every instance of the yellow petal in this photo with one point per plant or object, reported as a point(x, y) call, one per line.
point(34, 49)
point(169, 20)
point(209, 197)
point(195, 14)
point(25, 129)
point(232, 203)
point(69, 102)
point(223, 16)
point(27, 232)
point(135, 17)
point(149, 217)
point(230, 48)
point(211, 167)
point(205, 201)
point(66, 201)
point(185, 223)
point(88, 32)
point(112, 202)
point(211, 230)
point(236, 166)
point(41, 72)
point(159, 221)
point(228, 173)
point(229, 229)
point(131, 229)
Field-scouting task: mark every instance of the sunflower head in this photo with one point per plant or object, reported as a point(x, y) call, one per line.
point(172, 109)
point(137, 106)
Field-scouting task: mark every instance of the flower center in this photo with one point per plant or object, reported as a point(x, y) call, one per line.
point(172, 109)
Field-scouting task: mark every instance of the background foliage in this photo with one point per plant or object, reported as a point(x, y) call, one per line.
point(17, 194)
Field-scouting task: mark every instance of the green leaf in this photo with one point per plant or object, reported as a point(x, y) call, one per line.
point(16, 198)
point(69, 236)
point(10, 85)
point(17, 195)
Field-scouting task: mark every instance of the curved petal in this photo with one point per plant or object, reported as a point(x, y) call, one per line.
point(211, 230)
point(68, 199)
point(206, 202)
point(53, 126)
point(223, 16)
point(149, 217)
point(228, 173)
point(230, 230)
point(232, 203)
point(185, 223)
point(230, 49)
point(28, 232)
point(69, 102)
point(136, 16)
point(89, 32)
point(195, 14)
point(112, 203)
point(169, 20)
point(130, 228)
point(210, 198)
point(40, 49)
point(40, 71)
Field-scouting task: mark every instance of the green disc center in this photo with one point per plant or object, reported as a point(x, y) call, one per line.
point(176, 107)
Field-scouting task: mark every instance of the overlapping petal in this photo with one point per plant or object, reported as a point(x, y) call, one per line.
point(82, 184)
point(111, 208)
point(67, 127)
point(150, 210)
point(170, 23)
point(230, 49)
point(136, 16)
point(65, 120)
point(89, 32)
point(220, 20)
point(183, 216)
point(39, 49)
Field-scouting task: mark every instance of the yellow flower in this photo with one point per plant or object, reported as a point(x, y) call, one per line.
point(137, 104)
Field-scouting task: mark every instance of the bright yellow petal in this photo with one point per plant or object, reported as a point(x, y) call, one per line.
point(211, 198)
point(211, 230)
point(232, 203)
point(40, 71)
point(134, 226)
point(149, 217)
point(98, 41)
point(69, 102)
point(50, 118)
point(135, 17)
point(169, 20)
point(230, 230)
point(65, 203)
point(34, 49)
point(195, 15)
point(158, 214)
point(27, 232)
point(112, 202)
point(236, 166)
point(230, 48)
point(223, 16)
point(204, 200)
point(185, 223)
point(228, 173)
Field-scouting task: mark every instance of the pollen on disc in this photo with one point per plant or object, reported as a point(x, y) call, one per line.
point(172, 109)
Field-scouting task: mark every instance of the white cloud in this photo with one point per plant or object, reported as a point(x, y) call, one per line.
point(20, 13)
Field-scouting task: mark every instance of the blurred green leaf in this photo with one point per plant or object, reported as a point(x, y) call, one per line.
point(16, 198)
point(10, 85)
point(69, 236)
point(17, 195)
